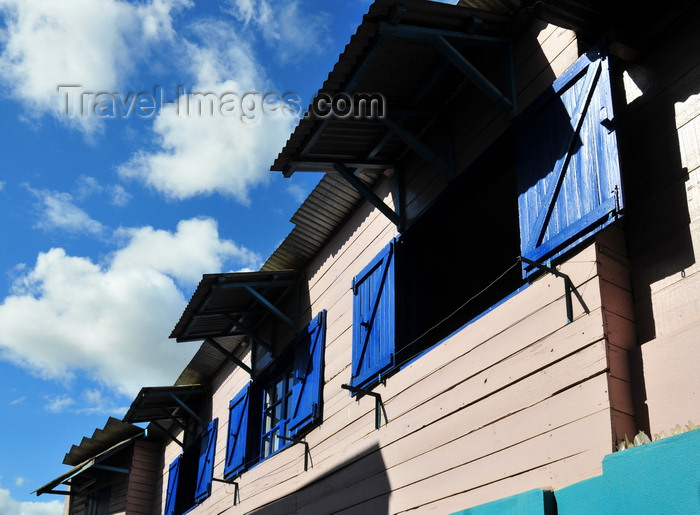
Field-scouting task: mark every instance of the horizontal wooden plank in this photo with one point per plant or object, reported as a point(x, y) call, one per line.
point(553, 377)
point(440, 447)
point(562, 472)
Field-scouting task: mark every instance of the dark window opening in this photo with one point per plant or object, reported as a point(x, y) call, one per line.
point(98, 502)
point(460, 258)
point(190, 474)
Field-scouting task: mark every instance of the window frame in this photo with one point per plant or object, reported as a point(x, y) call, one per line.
point(548, 225)
point(281, 388)
point(300, 369)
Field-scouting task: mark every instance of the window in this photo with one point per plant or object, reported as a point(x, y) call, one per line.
point(436, 276)
point(285, 400)
point(190, 474)
point(276, 413)
point(542, 188)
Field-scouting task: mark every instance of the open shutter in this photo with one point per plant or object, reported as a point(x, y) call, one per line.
point(373, 319)
point(171, 492)
point(569, 183)
point(236, 444)
point(307, 394)
point(205, 468)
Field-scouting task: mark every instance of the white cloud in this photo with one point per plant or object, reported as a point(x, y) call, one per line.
point(284, 25)
point(58, 211)
point(19, 481)
point(91, 43)
point(200, 155)
point(9, 505)
point(298, 192)
point(86, 186)
point(20, 400)
point(193, 250)
point(119, 196)
point(92, 402)
point(68, 315)
point(59, 403)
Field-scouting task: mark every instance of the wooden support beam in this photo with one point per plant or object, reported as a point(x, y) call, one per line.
point(229, 355)
point(356, 183)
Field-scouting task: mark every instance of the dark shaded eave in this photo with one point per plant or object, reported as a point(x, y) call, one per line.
point(220, 297)
point(630, 23)
point(386, 65)
point(155, 403)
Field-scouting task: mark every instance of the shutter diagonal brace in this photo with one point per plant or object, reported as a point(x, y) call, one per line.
point(568, 286)
point(582, 103)
point(375, 305)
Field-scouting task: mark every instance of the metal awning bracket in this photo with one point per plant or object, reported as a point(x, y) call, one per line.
point(418, 146)
point(236, 498)
point(307, 453)
point(568, 286)
point(442, 40)
point(175, 421)
point(187, 409)
point(271, 307)
point(378, 404)
point(120, 470)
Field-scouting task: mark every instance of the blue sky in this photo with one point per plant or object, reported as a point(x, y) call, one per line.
point(109, 220)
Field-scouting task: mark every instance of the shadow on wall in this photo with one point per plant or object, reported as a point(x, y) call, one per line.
point(658, 220)
point(650, 99)
point(360, 485)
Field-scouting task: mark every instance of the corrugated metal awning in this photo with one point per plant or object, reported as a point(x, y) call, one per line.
point(114, 431)
point(232, 304)
point(407, 71)
point(227, 310)
point(165, 403)
point(88, 467)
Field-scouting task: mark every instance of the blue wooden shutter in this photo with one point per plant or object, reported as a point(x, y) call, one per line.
point(307, 394)
point(205, 468)
point(569, 183)
point(171, 491)
point(373, 319)
point(236, 444)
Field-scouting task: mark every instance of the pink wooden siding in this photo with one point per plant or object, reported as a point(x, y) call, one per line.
point(519, 399)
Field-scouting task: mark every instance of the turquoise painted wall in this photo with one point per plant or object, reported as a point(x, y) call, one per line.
point(532, 502)
point(660, 478)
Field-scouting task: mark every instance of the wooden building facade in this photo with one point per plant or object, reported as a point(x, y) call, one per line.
point(493, 284)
